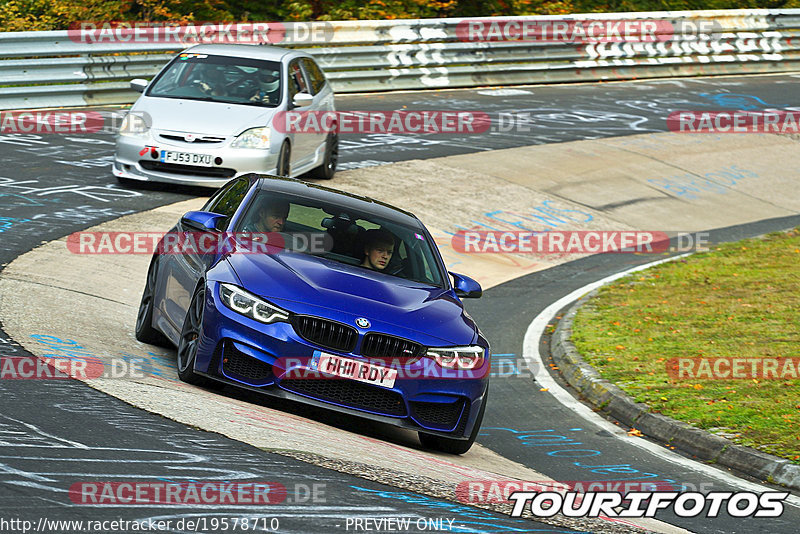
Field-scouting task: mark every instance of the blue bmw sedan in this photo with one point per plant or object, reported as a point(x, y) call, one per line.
point(323, 297)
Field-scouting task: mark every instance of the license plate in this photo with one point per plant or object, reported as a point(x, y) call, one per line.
point(186, 158)
point(330, 364)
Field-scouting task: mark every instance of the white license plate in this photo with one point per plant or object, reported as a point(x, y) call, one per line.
point(186, 158)
point(330, 364)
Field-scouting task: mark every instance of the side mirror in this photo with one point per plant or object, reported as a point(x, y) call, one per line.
point(139, 85)
point(204, 221)
point(466, 287)
point(302, 100)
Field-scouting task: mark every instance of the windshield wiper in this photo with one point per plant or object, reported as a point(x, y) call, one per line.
point(179, 97)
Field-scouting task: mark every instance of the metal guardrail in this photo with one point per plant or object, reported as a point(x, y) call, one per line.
point(59, 68)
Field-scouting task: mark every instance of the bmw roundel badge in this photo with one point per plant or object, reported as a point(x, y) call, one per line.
point(362, 322)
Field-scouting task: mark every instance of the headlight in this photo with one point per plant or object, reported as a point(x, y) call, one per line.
point(457, 357)
point(253, 138)
point(250, 305)
point(133, 125)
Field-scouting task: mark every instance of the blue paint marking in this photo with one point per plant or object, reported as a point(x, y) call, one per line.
point(8, 222)
point(542, 214)
point(690, 186)
point(733, 100)
point(537, 438)
point(548, 438)
point(488, 520)
point(153, 364)
point(66, 348)
point(25, 200)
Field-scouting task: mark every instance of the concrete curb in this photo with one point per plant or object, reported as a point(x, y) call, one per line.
point(609, 398)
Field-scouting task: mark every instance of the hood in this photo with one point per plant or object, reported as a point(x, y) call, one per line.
point(312, 285)
point(199, 117)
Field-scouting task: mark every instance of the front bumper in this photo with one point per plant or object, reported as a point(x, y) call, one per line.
point(133, 161)
point(239, 351)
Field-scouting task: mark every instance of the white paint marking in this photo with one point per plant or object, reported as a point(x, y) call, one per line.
point(41, 432)
point(504, 92)
point(7, 469)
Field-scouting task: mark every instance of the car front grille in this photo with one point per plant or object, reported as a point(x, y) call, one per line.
point(349, 393)
point(386, 346)
point(328, 334)
point(444, 415)
point(238, 363)
point(199, 139)
point(189, 170)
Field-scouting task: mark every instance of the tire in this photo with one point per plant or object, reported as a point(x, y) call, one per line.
point(190, 335)
point(284, 160)
point(328, 167)
point(454, 446)
point(144, 318)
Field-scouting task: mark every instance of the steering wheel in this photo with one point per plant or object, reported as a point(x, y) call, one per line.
point(201, 86)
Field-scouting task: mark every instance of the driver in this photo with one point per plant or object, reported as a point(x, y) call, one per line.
point(378, 249)
point(268, 82)
point(215, 82)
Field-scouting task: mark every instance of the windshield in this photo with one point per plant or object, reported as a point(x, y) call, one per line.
point(224, 79)
point(346, 236)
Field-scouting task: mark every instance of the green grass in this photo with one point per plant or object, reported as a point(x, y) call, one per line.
point(739, 300)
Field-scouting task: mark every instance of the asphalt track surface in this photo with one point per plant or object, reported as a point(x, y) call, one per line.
point(55, 433)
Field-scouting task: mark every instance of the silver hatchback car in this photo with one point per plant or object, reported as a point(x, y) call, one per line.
point(209, 115)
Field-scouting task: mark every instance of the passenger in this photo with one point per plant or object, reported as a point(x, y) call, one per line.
point(378, 249)
point(271, 216)
point(268, 85)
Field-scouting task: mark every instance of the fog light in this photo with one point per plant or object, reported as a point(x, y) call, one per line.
point(218, 161)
